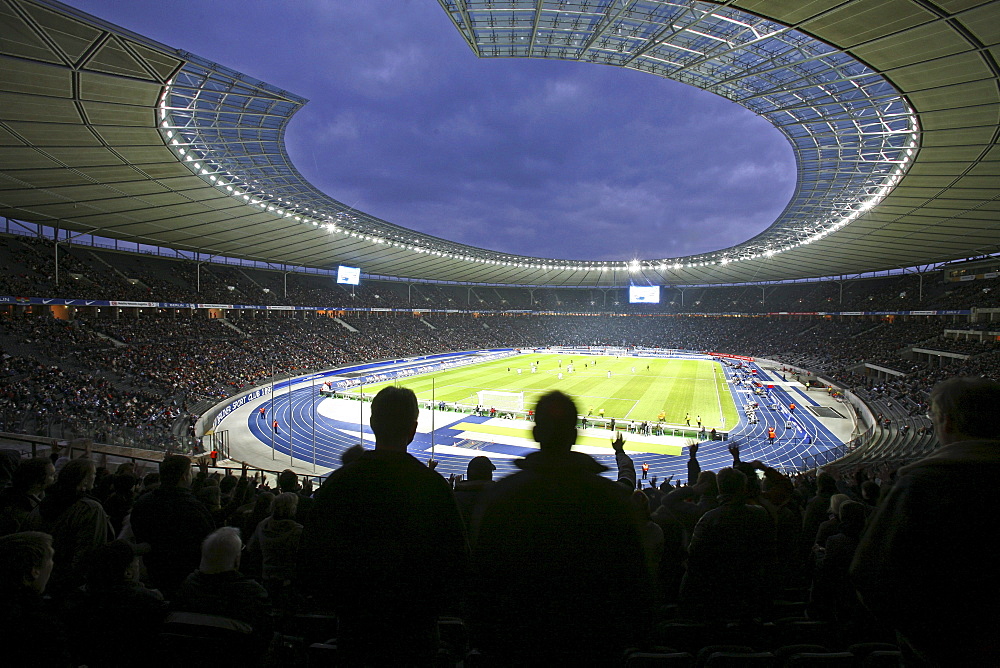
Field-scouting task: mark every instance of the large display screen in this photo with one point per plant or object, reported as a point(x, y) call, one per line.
point(644, 294)
point(348, 275)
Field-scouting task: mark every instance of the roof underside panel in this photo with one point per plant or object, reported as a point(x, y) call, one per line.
point(891, 106)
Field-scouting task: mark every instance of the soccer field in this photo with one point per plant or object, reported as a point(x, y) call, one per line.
point(638, 388)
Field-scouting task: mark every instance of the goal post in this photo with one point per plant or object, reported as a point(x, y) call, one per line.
point(502, 401)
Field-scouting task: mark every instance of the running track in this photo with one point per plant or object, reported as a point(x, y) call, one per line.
point(294, 412)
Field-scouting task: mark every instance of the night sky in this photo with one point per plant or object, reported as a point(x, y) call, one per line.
point(534, 157)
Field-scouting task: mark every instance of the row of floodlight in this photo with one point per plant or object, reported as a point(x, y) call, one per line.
point(341, 222)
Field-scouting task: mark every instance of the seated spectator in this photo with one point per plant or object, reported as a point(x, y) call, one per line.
point(832, 525)
point(114, 618)
point(32, 636)
point(250, 515)
point(75, 520)
point(218, 588)
point(9, 459)
point(817, 510)
point(649, 531)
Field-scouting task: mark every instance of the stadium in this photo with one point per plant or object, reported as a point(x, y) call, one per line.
point(171, 283)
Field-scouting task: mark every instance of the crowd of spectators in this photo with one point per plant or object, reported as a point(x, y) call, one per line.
point(30, 271)
point(389, 563)
point(141, 369)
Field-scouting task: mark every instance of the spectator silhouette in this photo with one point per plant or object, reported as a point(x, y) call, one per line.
point(28, 484)
point(119, 503)
point(468, 492)
point(832, 596)
point(730, 556)
point(288, 482)
point(174, 524)
point(76, 522)
point(384, 544)
point(9, 460)
point(922, 566)
point(275, 547)
point(817, 510)
point(32, 635)
point(114, 618)
point(557, 556)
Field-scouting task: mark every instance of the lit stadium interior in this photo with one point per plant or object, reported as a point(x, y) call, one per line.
point(171, 283)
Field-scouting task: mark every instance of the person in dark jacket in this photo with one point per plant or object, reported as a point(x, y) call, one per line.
point(559, 570)
point(816, 512)
point(30, 479)
point(384, 544)
point(33, 636)
point(75, 520)
point(730, 556)
point(174, 523)
point(923, 566)
point(274, 549)
point(218, 588)
point(119, 503)
point(113, 618)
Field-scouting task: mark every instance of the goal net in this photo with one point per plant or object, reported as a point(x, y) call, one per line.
point(502, 401)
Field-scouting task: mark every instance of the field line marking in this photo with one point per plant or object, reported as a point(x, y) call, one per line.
point(718, 397)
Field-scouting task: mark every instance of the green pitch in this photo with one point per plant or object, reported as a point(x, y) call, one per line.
point(675, 387)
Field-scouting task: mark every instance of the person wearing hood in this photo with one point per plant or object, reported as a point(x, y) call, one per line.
point(558, 562)
point(275, 546)
point(923, 566)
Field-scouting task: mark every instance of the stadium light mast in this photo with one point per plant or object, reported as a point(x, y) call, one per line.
point(433, 405)
point(313, 393)
point(273, 418)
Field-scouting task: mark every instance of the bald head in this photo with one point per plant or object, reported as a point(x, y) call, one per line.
point(962, 409)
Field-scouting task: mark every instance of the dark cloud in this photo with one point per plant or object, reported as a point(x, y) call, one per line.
point(555, 159)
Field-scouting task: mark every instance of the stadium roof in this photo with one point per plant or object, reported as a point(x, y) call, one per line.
point(892, 108)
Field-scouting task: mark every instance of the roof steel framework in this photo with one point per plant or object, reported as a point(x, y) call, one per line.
point(107, 132)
